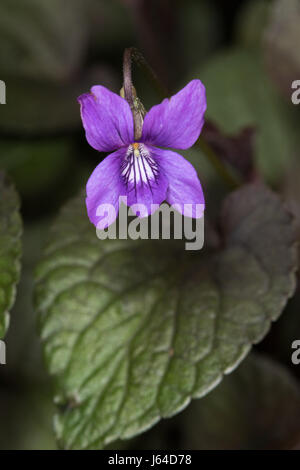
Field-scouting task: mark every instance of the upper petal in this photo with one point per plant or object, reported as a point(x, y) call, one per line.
point(107, 119)
point(104, 188)
point(177, 122)
point(184, 190)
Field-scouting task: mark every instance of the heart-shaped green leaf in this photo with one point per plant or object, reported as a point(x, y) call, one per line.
point(133, 330)
point(10, 249)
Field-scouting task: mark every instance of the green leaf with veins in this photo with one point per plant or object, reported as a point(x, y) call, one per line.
point(10, 249)
point(132, 331)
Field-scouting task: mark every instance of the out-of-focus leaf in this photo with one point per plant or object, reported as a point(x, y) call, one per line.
point(286, 331)
point(36, 166)
point(256, 407)
point(251, 22)
point(111, 24)
point(282, 38)
point(215, 188)
point(133, 330)
point(26, 412)
point(37, 107)
point(237, 151)
point(156, 26)
point(200, 29)
point(41, 39)
point(46, 171)
point(10, 249)
point(239, 95)
point(22, 338)
point(291, 191)
point(26, 407)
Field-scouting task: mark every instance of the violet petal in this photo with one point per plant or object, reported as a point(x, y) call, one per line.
point(107, 119)
point(105, 186)
point(177, 122)
point(184, 190)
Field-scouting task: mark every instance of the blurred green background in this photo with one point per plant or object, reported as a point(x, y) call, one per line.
point(53, 51)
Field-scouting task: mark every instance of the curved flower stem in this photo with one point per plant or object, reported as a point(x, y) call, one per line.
point(133, 54)
point(130, 95)
point(127, 77)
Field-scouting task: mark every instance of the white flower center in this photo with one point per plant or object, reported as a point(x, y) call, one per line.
point(138, 167)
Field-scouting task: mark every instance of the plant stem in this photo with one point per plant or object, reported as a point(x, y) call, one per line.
point(130, 95)
point(127, 78)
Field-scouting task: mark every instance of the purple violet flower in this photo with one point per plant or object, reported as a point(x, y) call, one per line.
point(140, 170)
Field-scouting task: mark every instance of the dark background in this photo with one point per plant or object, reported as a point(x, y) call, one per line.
point(53, 51)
